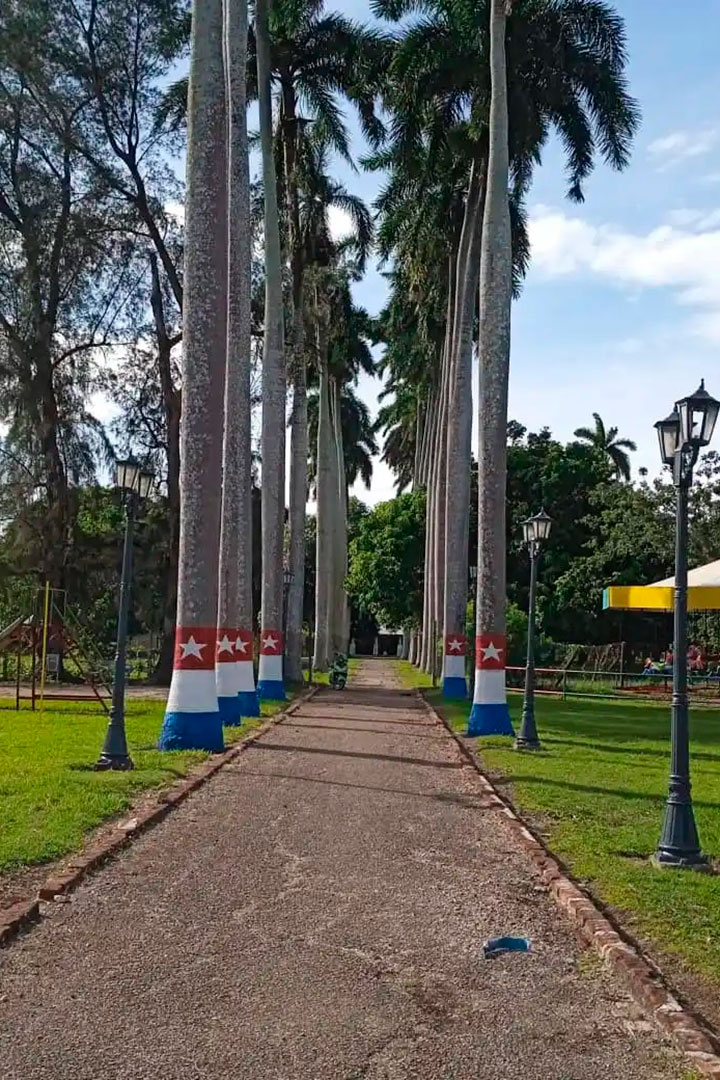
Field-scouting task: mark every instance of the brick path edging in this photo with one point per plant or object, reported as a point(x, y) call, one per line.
point(643, 979)
point(23, 913)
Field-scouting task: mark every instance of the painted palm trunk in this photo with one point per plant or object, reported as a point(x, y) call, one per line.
point(489, 714)
point(270, 676)
point(192, 718)
point(454, 682)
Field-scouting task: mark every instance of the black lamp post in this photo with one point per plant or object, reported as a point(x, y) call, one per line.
point(134, 484)
point(535, 532)
point(288, 578)
point(682, 435)
point(470, 653)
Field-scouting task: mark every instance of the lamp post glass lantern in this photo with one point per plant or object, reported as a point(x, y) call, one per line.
point(134, 484)
point(536, 531)
point(682, 435)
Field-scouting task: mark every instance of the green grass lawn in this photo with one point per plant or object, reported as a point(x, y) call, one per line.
point(50, 796)
point(597, 791)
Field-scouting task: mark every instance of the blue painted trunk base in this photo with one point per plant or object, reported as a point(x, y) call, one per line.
point(271, 690)
point(192, 731)
point(454, 686)
point(230, 711)
point(248, 702)
point(490, 720)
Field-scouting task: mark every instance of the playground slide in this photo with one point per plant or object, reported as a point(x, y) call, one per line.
point(7, 634)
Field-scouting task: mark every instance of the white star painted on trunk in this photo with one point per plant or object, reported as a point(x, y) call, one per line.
point(192, 648)
point(270, 642)
point(490, 652)
point(455, 645)
point(225, 645)
point(241, 646)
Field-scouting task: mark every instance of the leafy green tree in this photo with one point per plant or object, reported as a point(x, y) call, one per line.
point(606, 440)
point(386, 561)
point(68, 271)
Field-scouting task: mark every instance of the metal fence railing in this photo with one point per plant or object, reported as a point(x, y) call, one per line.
point(568, 682)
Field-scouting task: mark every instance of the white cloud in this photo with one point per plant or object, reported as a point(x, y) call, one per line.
point(686, 261)
point(696, 220)
point(677, 146)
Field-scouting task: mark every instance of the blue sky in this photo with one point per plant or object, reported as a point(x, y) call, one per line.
point(620, 313)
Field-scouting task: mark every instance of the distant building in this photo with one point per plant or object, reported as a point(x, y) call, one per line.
point(386, 642)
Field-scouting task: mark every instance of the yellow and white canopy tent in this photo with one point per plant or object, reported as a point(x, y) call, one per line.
point(703, 592)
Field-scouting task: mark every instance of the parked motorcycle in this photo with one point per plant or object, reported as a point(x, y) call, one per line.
point(338, 673)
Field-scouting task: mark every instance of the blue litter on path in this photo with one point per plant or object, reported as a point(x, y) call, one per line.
point(495, 946)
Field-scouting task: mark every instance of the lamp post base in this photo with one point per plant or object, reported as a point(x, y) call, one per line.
point(523, 743)
point(666, 860)
point(116, 762)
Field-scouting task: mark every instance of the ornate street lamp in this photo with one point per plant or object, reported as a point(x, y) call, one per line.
point(134, 484)
point(536, 530)
point(682, 435)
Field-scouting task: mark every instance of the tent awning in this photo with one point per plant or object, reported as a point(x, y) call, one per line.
point(703, 592)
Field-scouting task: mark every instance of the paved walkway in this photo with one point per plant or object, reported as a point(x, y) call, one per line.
point(316, 912)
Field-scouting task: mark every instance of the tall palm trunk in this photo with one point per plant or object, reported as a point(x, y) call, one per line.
point(299, 415)
point(340, 609)
point(172, 403)
point(430, 636)
point(440, 491)
point(298, 500)
point(324, 575)
point(428, 434)
point(429, 576)
point(459, 442)
point(272, 437)
point(489, 713)
point(192, 719)
point(234, 665)
point(418, 442)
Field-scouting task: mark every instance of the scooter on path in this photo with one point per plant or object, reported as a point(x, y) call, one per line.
point(338, 672)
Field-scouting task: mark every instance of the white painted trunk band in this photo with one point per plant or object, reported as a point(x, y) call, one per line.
point(245, 676)
point(489, 687)
point(192, 692)
point(454, 666)
point(271, 668)
point(226, 679)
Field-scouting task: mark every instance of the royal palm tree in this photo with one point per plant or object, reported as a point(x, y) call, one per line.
point(419, 226)
point(272, 437)
point(319, 256)
point(314, 57)
point(235, 677)
point(358, 436)
point(565, 71)
point(606, 440)
point(325, 498)
point(192, 719)
point(489, 713)
point(316, 194)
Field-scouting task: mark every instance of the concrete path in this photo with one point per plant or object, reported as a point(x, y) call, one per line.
point(316, 912)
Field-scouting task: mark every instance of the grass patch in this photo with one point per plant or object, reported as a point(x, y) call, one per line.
point(49, 795)
point(597, 790)
point(411, 676)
